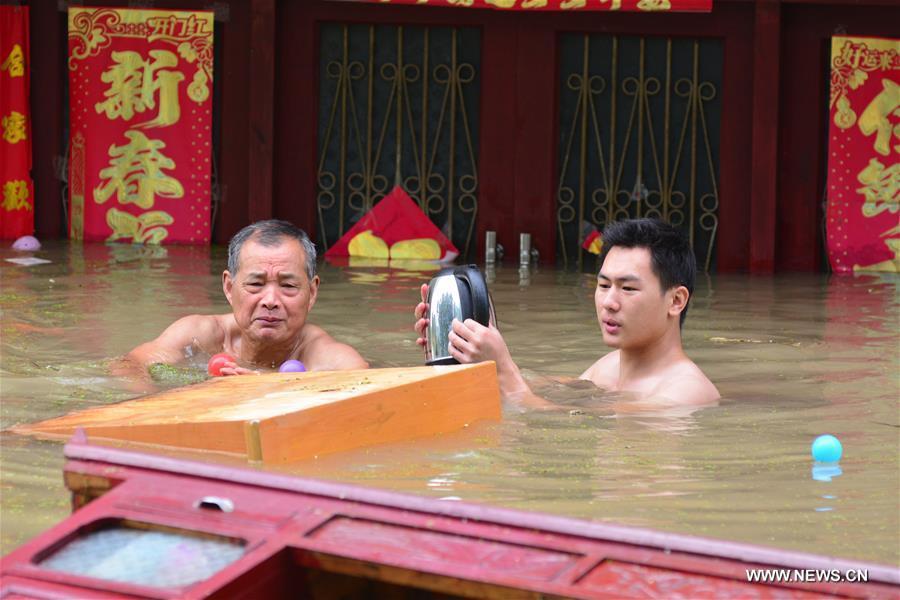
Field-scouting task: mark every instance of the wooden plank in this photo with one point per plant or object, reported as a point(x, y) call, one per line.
point(48, 104)
point(536, 140)
point(282, 417)
point(496, 161)
point(262, 91)
point(764, 154)
point(296, 111)
point(233, 71)
point(735, 22)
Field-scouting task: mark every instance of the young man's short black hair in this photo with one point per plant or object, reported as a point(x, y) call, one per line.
point(671, 256)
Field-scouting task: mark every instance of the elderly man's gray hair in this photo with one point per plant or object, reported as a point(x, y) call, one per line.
point(271, 232)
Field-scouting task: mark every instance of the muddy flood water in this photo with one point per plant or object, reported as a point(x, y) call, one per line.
point(795, 356)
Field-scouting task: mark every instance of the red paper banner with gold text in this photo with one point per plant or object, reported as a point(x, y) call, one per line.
point(567, 5)
point(17, 200)
point(140, 105)
point(863, 190)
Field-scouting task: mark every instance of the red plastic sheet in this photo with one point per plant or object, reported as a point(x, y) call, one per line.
point(395, 229)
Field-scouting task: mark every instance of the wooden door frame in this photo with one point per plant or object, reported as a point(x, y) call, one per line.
point(518, 146)
point(770, 180)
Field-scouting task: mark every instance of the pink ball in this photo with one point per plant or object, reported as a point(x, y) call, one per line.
point(27, 243)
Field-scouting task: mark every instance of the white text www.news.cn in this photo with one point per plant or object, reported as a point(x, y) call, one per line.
point(807, 576)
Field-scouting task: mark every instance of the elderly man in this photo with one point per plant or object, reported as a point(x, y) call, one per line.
point(271, 284)
point(644, 286)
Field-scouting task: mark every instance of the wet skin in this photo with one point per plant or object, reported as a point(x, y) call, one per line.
point(632, 309)
point(271, 296)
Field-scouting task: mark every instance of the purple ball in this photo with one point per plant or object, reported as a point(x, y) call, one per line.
point(292, 366)
point(26, 243)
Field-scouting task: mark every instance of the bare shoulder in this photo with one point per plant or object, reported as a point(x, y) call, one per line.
point(206, 331)
point(321, 352)
point(197, 332)
point(605, 371)
point(686, 384)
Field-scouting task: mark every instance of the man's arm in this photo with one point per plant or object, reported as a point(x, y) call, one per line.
point(203, 332)
point(472, 342)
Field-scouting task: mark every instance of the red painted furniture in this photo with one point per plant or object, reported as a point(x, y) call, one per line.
point(310, 539)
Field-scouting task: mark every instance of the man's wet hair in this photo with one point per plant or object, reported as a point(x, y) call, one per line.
point(271, 232)
point(671, 256)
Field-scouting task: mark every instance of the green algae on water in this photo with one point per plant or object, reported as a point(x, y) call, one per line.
point(168, 374)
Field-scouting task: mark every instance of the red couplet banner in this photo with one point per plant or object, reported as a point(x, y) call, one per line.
point(17, 200)
point(863, 213)
point(568, 5)
point(140, 105)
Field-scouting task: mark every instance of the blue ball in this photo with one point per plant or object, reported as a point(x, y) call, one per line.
point(292, 366)
point(827, 449)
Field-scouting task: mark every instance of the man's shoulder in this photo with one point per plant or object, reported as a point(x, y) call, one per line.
point(323, 352)
point(203, 332)
point(605, 370)
point(205, 324)
point(315, 339)
point(208, 332)
point(686, 383)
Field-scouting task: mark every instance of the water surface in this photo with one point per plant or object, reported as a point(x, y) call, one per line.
point(794, 357)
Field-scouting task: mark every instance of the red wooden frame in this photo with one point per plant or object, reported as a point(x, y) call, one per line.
point(803, 136)
point(48, 73)
point(296, 528)
point(559, 5)
point(763, 161)
point(784, 132)
point(518, 143)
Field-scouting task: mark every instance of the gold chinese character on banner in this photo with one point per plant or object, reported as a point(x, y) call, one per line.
point(135, 173)
point(147, 228)
point(15, 195)
point(881, 188)
point(512, 3)
point(570, 4)
point(177, 27)
point(876, 117)
point(654, 5)
point(134, 83)
point(13, 127)
point(15, 62)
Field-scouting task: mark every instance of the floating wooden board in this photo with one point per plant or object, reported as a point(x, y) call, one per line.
point(282, 417)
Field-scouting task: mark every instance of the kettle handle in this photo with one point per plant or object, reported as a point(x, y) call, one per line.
point(472, 277)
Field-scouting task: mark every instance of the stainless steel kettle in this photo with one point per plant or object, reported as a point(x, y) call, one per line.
point(454, 293)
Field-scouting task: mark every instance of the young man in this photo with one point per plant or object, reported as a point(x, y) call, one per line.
point(271, 284)
point(644, 286)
